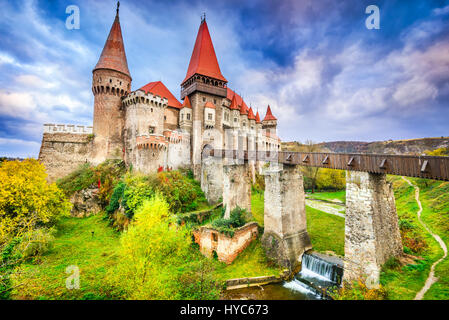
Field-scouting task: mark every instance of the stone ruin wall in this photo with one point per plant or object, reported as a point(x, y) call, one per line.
point(62, 152)
point(227, 248)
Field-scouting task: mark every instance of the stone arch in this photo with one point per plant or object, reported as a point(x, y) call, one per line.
point(205, 151)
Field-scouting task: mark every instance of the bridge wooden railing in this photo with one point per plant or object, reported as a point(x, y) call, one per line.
point(427, 167)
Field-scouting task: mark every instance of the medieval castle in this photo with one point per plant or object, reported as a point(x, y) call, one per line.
point(149, 128)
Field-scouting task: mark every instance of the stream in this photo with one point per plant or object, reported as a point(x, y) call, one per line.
point(318, 273)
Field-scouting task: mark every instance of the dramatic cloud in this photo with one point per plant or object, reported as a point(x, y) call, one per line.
point(324, 74)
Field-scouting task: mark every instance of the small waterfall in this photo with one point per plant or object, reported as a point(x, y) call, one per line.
point(314, 266)
point(318, 273)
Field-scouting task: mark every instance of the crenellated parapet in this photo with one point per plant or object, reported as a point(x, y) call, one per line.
point(151, 141)
point(175, 137)
point(149, 99)
point(67, 128)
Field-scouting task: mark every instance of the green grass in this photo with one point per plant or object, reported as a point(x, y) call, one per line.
point(403, 284)
point(326, 231)
point(257, 206)
point(74, 245)
point(96, 256)
point(329, 196)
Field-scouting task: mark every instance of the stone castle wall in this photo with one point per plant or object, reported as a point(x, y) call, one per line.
point(63, 152)
point(109, 87)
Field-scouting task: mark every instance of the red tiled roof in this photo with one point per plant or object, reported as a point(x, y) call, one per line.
point(257, 117)
point(186, 103)
point(251, 114)
point(203, 60)
point(158, 88)
point(269, 115)
point(113, 56)
point(209, 105)
point(230, 93)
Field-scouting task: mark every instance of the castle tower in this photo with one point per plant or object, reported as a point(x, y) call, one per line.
point(204, 84)
point(185, 116)
point(111, 81)
point(270, 122)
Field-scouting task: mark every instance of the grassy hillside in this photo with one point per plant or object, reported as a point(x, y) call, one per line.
point(409, 146)
point(91, 244)
point(403, 283)
point(88, 243)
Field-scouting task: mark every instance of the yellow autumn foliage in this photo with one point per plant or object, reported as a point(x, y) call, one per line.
point(27, 200)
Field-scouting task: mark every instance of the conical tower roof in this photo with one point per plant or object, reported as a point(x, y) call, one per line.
point(186, 103)
point(251, 114)
point(257, 117)
point(234, 105)
point(113, 56)
point(203, 60)
point(269, 115)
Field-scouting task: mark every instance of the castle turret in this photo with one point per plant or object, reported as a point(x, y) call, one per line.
point(185, 116)
point(252, 120)
point(111, 81)
point(204, 85)
point(270, 121)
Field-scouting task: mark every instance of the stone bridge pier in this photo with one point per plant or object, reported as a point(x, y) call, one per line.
point(212, 179)
point(236, 187)
point(285, 236)
point(371, 226)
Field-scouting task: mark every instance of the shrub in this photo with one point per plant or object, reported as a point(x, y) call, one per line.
point(87, 176)
point(259, 185)
point(137, 190)
point(180, 192)
point(116, 198)
point(227, 226)
point(331, 179)
point(357, 290)
point(35, 243)
point(391, 264)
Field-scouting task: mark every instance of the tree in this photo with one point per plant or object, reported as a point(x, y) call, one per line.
point(27, 201)
point(156, 259)
point(28, 207)
point(441, 152)
point(310, 173)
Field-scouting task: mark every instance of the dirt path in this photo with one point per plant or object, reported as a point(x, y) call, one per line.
point(431, 279)
point(334, 209)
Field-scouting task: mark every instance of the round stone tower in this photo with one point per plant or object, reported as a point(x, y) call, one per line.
point(111, 81)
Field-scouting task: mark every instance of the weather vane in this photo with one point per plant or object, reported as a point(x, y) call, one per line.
point(118, 6)
point(203, 17)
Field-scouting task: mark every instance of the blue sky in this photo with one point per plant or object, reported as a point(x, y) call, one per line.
point(325, 75)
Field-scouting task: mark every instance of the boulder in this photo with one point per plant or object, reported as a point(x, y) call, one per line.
point(85, 203)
